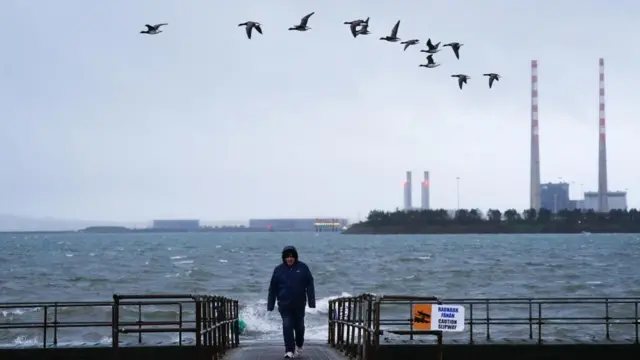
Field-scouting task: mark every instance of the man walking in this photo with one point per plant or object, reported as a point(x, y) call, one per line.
point(292, 285)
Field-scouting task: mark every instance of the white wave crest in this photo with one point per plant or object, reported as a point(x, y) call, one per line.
point(264, 325)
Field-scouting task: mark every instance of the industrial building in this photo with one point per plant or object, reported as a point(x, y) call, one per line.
point(297, 224)
point(555, 197)
point(616, 200)
point(184, 225)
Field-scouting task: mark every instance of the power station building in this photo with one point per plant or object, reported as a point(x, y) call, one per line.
point(616, 200)
point(555, 197)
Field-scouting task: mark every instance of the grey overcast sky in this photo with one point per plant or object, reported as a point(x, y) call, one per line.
point(100, 122)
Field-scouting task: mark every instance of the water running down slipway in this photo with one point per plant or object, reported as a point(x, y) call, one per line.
point(62, 267)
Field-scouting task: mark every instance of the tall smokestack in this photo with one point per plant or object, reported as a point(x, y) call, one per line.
point(603, 203)
point(425, 191)
point(407, 192)
point(534, 193)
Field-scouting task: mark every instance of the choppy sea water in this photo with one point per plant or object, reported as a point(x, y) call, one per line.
point(74, 267)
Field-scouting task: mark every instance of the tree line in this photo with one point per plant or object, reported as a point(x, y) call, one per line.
point(496, 221)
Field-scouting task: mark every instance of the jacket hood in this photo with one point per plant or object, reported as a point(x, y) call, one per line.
point(290, 249)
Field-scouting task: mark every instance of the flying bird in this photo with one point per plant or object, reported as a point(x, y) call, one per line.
point(353, 24)
point(432, 49)
point(250, 25)
point(364, 30)
point(492, 77)
point(356, 22)
point(409, 43)
point(430, 63)
point(303, 23)
point(456, 48)
point(462, 79)
point(153, 29)
point(394, 34)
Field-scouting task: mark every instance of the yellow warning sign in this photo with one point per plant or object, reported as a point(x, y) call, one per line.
point(421, 317)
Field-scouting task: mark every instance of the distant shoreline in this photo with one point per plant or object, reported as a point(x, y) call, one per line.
point(471, 221)
point(36, 232)
point(358, 229)
point(125, 230)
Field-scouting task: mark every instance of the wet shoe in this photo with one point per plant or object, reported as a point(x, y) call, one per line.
point(289, 355)
point(298, 351)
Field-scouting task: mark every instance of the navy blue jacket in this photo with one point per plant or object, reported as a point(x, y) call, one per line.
point(292, 286)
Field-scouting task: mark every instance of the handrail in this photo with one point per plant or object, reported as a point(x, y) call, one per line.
point(351, 316)
point(215, 325)
point(212, 319)
point(534, 319)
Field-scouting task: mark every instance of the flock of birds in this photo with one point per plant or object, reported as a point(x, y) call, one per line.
point(358, 28)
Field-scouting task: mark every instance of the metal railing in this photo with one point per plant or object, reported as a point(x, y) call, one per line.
point(538, 320)
point(45, 319)
point(212, 320)
point(352, 325)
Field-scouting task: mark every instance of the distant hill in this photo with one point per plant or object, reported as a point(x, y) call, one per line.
point(23, 223)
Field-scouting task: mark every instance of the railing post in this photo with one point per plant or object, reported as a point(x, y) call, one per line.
point(488, 316)
point(180, 309)
point(227, 327)
point(44, 326)
point(221, 334)
point(606, 317)
point(357, 336)
point(115, 321)
point(376, 327)
point(530, 320)
point(206, 328)
point(369, 324)
point(214, 332)
point(237, 316)
point(341, 316)
point(539, 322)
point(232, 324)
point(354, 343)
point(360, 323)
point(140, 322)
point(411, 321)
point(330, 322)
point(347, 348)
point(198, 322)
point(211, 309)
point(471, 323)
point(440, 346)
point(55, 324)
point(115, 326)
point(637, 321)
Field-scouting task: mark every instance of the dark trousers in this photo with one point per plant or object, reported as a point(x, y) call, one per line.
point(292, 321)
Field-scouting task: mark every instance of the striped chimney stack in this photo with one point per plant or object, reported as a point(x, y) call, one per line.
point(534, 192)
point(603, 203)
